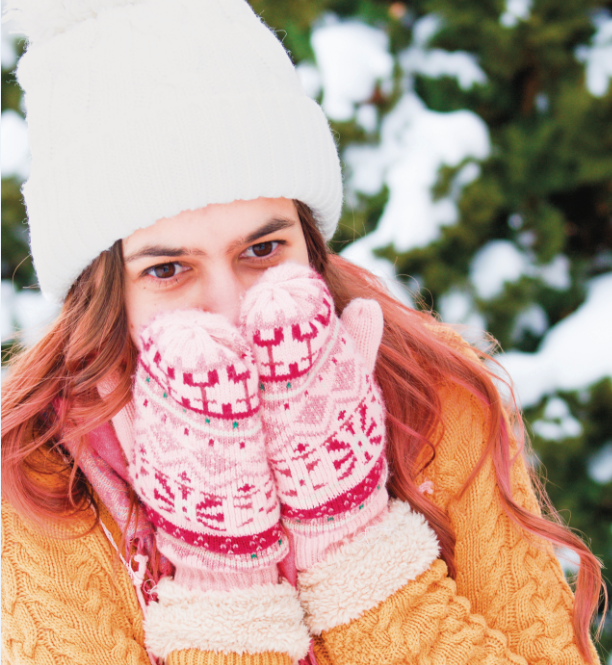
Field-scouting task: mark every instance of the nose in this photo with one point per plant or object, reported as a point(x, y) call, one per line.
point(223, 292)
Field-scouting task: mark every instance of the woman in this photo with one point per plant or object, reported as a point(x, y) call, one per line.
point(233, 446)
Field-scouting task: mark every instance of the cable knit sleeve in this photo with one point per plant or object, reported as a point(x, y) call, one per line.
point(509, 604)
point(63, 601)
point(513, 580)
point(69, 601)
point(385, 598)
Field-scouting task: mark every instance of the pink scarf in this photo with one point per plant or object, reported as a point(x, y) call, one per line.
point(104, 465)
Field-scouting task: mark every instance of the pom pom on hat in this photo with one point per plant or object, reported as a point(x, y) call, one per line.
point(138, 110)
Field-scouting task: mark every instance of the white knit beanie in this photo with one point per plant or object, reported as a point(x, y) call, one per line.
point(140, 109)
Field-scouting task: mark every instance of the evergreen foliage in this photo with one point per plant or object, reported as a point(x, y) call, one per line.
point(16, 264)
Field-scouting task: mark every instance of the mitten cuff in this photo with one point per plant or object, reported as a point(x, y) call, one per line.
point(264, 618)
point(364, 571)
point(224, 580)
point(311, 540)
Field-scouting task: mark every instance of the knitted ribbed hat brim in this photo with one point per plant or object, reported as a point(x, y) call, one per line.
point(150, 108)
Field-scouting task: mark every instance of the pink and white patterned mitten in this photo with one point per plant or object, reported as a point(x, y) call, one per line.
point(323, 413)
point(198, 462)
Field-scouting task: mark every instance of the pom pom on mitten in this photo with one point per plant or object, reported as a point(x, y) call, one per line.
point(323, 413)
point(199, 462)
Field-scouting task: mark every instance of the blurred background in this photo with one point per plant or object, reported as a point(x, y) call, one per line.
point(476, 137)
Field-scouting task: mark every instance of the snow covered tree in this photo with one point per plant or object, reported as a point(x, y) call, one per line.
point(14, 234)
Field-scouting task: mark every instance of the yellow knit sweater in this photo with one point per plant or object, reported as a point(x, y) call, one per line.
point(71, 601)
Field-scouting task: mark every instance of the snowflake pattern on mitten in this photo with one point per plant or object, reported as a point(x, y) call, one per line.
point(323, 412)
point(198, 462)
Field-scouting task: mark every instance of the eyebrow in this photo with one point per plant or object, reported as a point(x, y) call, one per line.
point(272, 226)
point(161, 250)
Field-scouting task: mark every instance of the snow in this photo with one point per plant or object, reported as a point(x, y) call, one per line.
point(309, 78)
point(425, 29)
point(556, 408)
point(436, 63)
point(367, 117)
point(574, 354)
point(26, 313)
point(569, 428)
point(557, 273)
point(457, 307)
point(516, 10)
point(498, 262)
point(8, 50)
point(6, 311)
point(415, 143)
point(10, 34)
point(352, 57)
point(558, 423)
point(597, 57)
point(533, 319)
point(599, 466)
point(360, 253)
point(15, 154)
point(501, 261)
point(569, 560)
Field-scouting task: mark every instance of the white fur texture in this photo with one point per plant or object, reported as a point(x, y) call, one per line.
point(140, 109)
point(40, 20)
point(363, 572)
point(256, 620)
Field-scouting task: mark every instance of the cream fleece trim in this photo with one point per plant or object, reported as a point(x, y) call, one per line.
point(255, 620)
point(363, 572)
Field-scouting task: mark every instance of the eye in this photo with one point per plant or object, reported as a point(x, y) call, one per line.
point(261, 249)
point(166, 270)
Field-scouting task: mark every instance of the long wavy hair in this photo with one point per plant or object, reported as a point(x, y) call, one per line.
point(89, 342)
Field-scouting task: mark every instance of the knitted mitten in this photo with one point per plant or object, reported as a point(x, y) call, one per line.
point(198, 462)
point(323, 412)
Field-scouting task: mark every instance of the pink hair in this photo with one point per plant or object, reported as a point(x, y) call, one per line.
point(90, 342)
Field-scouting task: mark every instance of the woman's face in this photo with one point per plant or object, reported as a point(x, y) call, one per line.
point(207, 258)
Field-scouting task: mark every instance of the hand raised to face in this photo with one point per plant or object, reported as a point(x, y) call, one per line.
point(199, 462)
point(323, 413)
